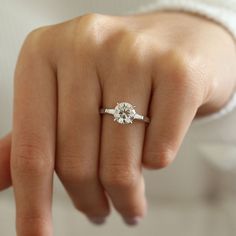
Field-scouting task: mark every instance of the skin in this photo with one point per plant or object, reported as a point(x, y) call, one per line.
point(170, 65)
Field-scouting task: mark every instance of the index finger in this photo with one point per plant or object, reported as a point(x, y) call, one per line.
point(33, 141)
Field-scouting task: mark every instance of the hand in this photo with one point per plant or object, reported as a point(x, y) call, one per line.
point(170, 65)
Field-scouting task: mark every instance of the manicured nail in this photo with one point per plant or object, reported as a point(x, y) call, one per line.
point(132, 221)
point(97, 220)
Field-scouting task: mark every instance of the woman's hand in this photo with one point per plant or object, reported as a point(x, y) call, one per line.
point(172, 66)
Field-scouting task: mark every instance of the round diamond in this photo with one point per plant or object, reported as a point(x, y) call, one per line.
point(124, 113)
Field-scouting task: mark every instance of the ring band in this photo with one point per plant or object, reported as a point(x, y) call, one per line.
point(124, 113)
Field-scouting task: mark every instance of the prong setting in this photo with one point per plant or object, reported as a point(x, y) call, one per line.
point(124, 113)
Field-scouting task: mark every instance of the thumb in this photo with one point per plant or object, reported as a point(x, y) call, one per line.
point(5, 174)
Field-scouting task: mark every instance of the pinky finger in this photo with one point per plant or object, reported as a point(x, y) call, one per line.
point(173, 107)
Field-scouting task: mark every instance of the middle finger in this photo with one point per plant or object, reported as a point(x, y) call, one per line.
point(79, 137)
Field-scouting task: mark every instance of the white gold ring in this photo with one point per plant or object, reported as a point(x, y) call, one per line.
point(124, 113)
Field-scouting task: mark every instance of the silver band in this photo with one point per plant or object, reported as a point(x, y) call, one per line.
point(119, 113)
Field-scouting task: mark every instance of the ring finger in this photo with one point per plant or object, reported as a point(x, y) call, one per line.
point(121, 145)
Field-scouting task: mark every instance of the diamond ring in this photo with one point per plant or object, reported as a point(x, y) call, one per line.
point(124, 113)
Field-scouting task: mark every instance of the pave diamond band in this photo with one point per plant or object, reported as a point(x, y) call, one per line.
point(124, 113)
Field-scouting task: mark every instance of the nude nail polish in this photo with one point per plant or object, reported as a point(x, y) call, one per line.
point(97, 220)
point(132, 221)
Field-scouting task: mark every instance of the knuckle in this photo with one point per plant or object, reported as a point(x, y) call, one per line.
point(29, 158)
point(93, 32)
point(88, 29)
point(158, 159)
point(91, 18)
point(133, 50)
point(73, 172)
point(119, 177)
point(37, 33)
point(38, 40)
point(179, 65)
point(184, 73)
point(37, 48)
point(36, 225)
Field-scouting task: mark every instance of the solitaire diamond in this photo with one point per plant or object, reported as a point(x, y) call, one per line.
point(124, 113)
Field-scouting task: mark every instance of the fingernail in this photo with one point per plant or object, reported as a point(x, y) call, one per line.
point(132, 220)
point(97, 220)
